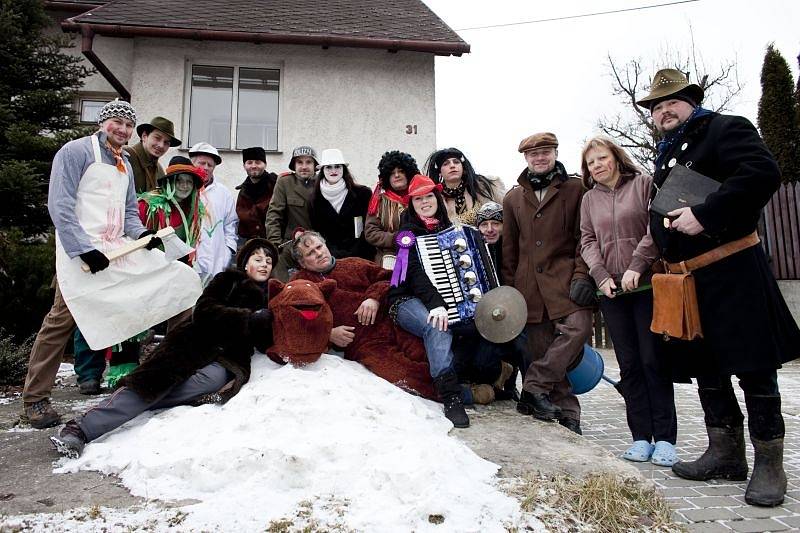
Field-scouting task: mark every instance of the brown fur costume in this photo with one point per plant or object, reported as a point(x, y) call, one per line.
point(224, 328)
point(302, 320)
point(385, 349)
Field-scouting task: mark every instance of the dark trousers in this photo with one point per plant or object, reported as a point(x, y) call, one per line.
point(477, 360)
point(761, 396)
point(648, 392)
point(553, 347)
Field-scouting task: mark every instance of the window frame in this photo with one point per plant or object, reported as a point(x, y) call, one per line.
point(187, 97)
point(81, 97)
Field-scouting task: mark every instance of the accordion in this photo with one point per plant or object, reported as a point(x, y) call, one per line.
point(458, 263)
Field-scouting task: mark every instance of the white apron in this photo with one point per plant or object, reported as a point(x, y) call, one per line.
point(136, 291)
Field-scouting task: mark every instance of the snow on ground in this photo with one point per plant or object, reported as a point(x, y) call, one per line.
point(329, 443)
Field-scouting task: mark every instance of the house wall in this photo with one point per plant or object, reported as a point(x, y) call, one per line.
point(357, 100)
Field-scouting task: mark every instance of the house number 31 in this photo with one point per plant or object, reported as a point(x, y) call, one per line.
point(411, 129)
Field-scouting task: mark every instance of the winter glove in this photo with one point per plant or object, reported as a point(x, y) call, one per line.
point(581, 291)
point(96, 260)
point(261, 319)
point(154, 241)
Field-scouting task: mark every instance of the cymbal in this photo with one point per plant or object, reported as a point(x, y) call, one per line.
point(501, 314)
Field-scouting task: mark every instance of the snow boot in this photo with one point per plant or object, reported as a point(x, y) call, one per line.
point(450, 393)
point(70, 441)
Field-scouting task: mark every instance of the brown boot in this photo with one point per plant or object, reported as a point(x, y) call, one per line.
point(482, 394)
point(40, 415)
point(505, 372)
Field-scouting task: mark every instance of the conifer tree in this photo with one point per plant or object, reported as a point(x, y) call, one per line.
point(777, 113)
point(37, 87)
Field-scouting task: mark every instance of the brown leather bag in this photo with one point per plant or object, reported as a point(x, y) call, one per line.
point(675, 310)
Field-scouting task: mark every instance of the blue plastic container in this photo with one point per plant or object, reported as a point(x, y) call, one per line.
point(588, 372)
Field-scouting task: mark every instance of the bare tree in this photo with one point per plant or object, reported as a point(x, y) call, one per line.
point(632, 127)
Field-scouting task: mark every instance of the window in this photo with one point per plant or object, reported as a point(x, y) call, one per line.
point(90, 108)
point(234, 107)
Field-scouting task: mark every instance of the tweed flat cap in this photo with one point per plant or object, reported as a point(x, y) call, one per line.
point(538, 140)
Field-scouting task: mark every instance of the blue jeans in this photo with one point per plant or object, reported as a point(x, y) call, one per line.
point(412, 316)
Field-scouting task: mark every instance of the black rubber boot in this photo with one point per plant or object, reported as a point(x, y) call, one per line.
point(450, 392)
point(538, 405)
point(767, 485)
point(724, 458)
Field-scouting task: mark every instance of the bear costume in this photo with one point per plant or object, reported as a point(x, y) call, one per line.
point(302, 320)
point(383, 348)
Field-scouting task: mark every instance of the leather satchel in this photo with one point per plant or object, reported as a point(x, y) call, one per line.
point(675, 310)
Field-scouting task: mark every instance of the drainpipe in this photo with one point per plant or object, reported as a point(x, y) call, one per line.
point(86, 47)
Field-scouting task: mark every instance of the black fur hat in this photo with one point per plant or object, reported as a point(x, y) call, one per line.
point(251, 246)
point(396, 159)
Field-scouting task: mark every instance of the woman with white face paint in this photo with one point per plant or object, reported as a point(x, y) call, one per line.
point(338, 208)
point(176, 202)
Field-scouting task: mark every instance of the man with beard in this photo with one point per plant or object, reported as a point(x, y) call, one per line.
point(747, 328)
point(541, 259)
point(288, 209)
point(157, 136)
point(255, 194)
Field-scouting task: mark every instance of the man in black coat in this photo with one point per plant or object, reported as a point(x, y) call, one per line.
point(747, 328)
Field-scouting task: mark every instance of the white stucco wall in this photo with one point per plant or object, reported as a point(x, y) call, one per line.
point(117, 54)
point(354, 99)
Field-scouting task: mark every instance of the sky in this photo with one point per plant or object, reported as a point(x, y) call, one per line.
point(554, 76)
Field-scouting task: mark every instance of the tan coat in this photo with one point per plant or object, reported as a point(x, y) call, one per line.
point(541, 245)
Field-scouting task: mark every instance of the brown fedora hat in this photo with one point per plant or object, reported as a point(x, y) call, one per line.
point(669, 82)
point(161, 124)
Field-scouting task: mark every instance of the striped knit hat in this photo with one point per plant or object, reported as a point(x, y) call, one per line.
point(117, 108)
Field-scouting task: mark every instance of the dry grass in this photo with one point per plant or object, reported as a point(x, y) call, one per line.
point(600, 502)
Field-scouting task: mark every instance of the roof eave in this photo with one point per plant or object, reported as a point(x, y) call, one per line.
point(118, 30)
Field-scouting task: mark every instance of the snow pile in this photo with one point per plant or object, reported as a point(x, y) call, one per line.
point(328, 444)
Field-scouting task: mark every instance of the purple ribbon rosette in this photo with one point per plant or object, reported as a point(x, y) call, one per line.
point(404, 240)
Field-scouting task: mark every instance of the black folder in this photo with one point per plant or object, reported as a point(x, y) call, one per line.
point(683, 188)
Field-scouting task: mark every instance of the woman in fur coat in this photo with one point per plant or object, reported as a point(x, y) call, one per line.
point(207, 355)
point(338, 208)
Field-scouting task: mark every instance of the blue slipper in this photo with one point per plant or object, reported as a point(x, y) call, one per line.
point(640, 452)
point(664, 454)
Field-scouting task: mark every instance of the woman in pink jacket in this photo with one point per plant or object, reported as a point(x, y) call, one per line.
point(618, 249)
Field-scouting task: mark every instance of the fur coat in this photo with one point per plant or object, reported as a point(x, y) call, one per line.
point(229, 320)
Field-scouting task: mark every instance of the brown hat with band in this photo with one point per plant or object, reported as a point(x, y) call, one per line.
point(538, 140)
point(161, 124)
point(670, 83)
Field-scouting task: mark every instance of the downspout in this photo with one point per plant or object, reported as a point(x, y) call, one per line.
point(86, 48)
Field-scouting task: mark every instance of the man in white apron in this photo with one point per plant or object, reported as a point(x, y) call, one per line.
point(92, 203)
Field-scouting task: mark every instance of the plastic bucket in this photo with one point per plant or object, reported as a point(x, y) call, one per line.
point(588, 372)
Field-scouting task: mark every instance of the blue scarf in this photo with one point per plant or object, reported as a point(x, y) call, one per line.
point(665, 145)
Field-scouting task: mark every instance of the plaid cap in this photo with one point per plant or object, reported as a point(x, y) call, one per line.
point(117, 108)
point(489, 211)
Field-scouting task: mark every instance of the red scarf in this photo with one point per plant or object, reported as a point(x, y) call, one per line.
point(431, 223)
point(374, 202)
